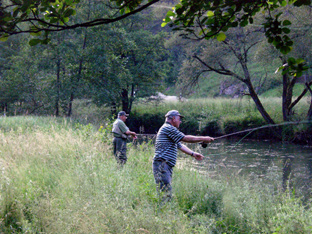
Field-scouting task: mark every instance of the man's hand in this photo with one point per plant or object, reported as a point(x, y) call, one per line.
point(133, 134)
point(208, 139)
point(198, 156)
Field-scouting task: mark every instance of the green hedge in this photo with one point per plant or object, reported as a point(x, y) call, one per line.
point(193, 124)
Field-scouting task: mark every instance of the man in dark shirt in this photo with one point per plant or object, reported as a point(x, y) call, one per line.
point(168, 141)
point(121, 131)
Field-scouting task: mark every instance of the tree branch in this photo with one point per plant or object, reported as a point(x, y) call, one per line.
point(221, 71)
point(301, 95)
point(56, 27)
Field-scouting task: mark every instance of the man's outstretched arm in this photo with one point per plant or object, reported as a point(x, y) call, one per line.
point(188, 151)
point(196, 139)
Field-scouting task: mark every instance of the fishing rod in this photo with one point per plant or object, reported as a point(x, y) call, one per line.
point(249, 131)
point(204, 145)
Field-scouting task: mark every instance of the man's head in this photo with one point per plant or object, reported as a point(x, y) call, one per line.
point(174, 118)
point(123, 115)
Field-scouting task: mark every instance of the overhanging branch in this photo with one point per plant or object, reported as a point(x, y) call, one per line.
point(56, 27)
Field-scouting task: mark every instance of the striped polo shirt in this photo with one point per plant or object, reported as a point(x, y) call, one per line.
point(167, 144)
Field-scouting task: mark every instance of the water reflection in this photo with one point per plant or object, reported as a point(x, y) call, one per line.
point(287, 163)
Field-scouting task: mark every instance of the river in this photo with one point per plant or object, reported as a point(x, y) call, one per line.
point(287, 164)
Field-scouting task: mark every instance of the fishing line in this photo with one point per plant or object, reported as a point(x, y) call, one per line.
point(249, 131)
point(204, 145)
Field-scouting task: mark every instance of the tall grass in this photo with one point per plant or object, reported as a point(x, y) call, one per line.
point(58, 178)
point(218, 108)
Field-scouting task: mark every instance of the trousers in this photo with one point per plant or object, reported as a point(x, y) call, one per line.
point(120, 150)
point(163, 177)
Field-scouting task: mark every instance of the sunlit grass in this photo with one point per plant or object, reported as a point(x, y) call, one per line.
point(216, 108)
point(58, 178)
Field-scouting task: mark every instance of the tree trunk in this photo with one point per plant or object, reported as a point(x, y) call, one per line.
point(70, 104)
point(125, 100)
point(258, 103)
point(131, 98)
point(74, 87)
point(75, 83)
point(252, 92)
point(286, 97)
point(309, 115)
point(114, 109)
point(57, 98)
point(5, 108)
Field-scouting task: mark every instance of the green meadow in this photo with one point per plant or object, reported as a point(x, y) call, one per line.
point(59, 176)
point(225, 108)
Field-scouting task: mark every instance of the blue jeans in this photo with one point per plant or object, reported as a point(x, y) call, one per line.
point(163, 176)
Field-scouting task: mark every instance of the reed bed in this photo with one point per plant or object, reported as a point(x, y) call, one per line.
point(59, 177)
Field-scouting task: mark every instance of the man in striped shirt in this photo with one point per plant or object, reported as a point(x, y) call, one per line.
point(168, 141)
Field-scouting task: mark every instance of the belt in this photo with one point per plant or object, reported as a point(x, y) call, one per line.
point(160, 159)
point(120, 138)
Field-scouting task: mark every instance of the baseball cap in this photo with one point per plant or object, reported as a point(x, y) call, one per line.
point(173, 113)
point(121, 113)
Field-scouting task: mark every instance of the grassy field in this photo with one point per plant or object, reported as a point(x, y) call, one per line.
point(61, 177)
point(224, 107)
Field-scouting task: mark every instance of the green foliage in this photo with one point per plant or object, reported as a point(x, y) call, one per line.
point(294, 67)
point(242, 122)
point(198, 197)
point(41, 14)
point(108, 65)
point(115, 65)
point(134, 64)
point(126, 7)
point(207, 19)
point(147, 122)
point(35, 17)
point(106, 130)
point(85, 130)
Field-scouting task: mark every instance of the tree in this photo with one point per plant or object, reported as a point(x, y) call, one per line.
point(111, 65)
point(228, 58)
point(23, 84)
point(129, 65)
point(41, 79)
point(211, 19)
point(231, 57)
point(196, 19)
point(35, 17)
point(202, 19)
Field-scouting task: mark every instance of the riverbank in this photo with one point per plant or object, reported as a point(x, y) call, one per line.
point(60, 177)
point(212, 116)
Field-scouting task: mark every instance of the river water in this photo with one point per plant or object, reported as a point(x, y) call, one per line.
point(289, 165)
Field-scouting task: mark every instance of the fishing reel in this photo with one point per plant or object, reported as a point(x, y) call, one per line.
point(204, 145)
